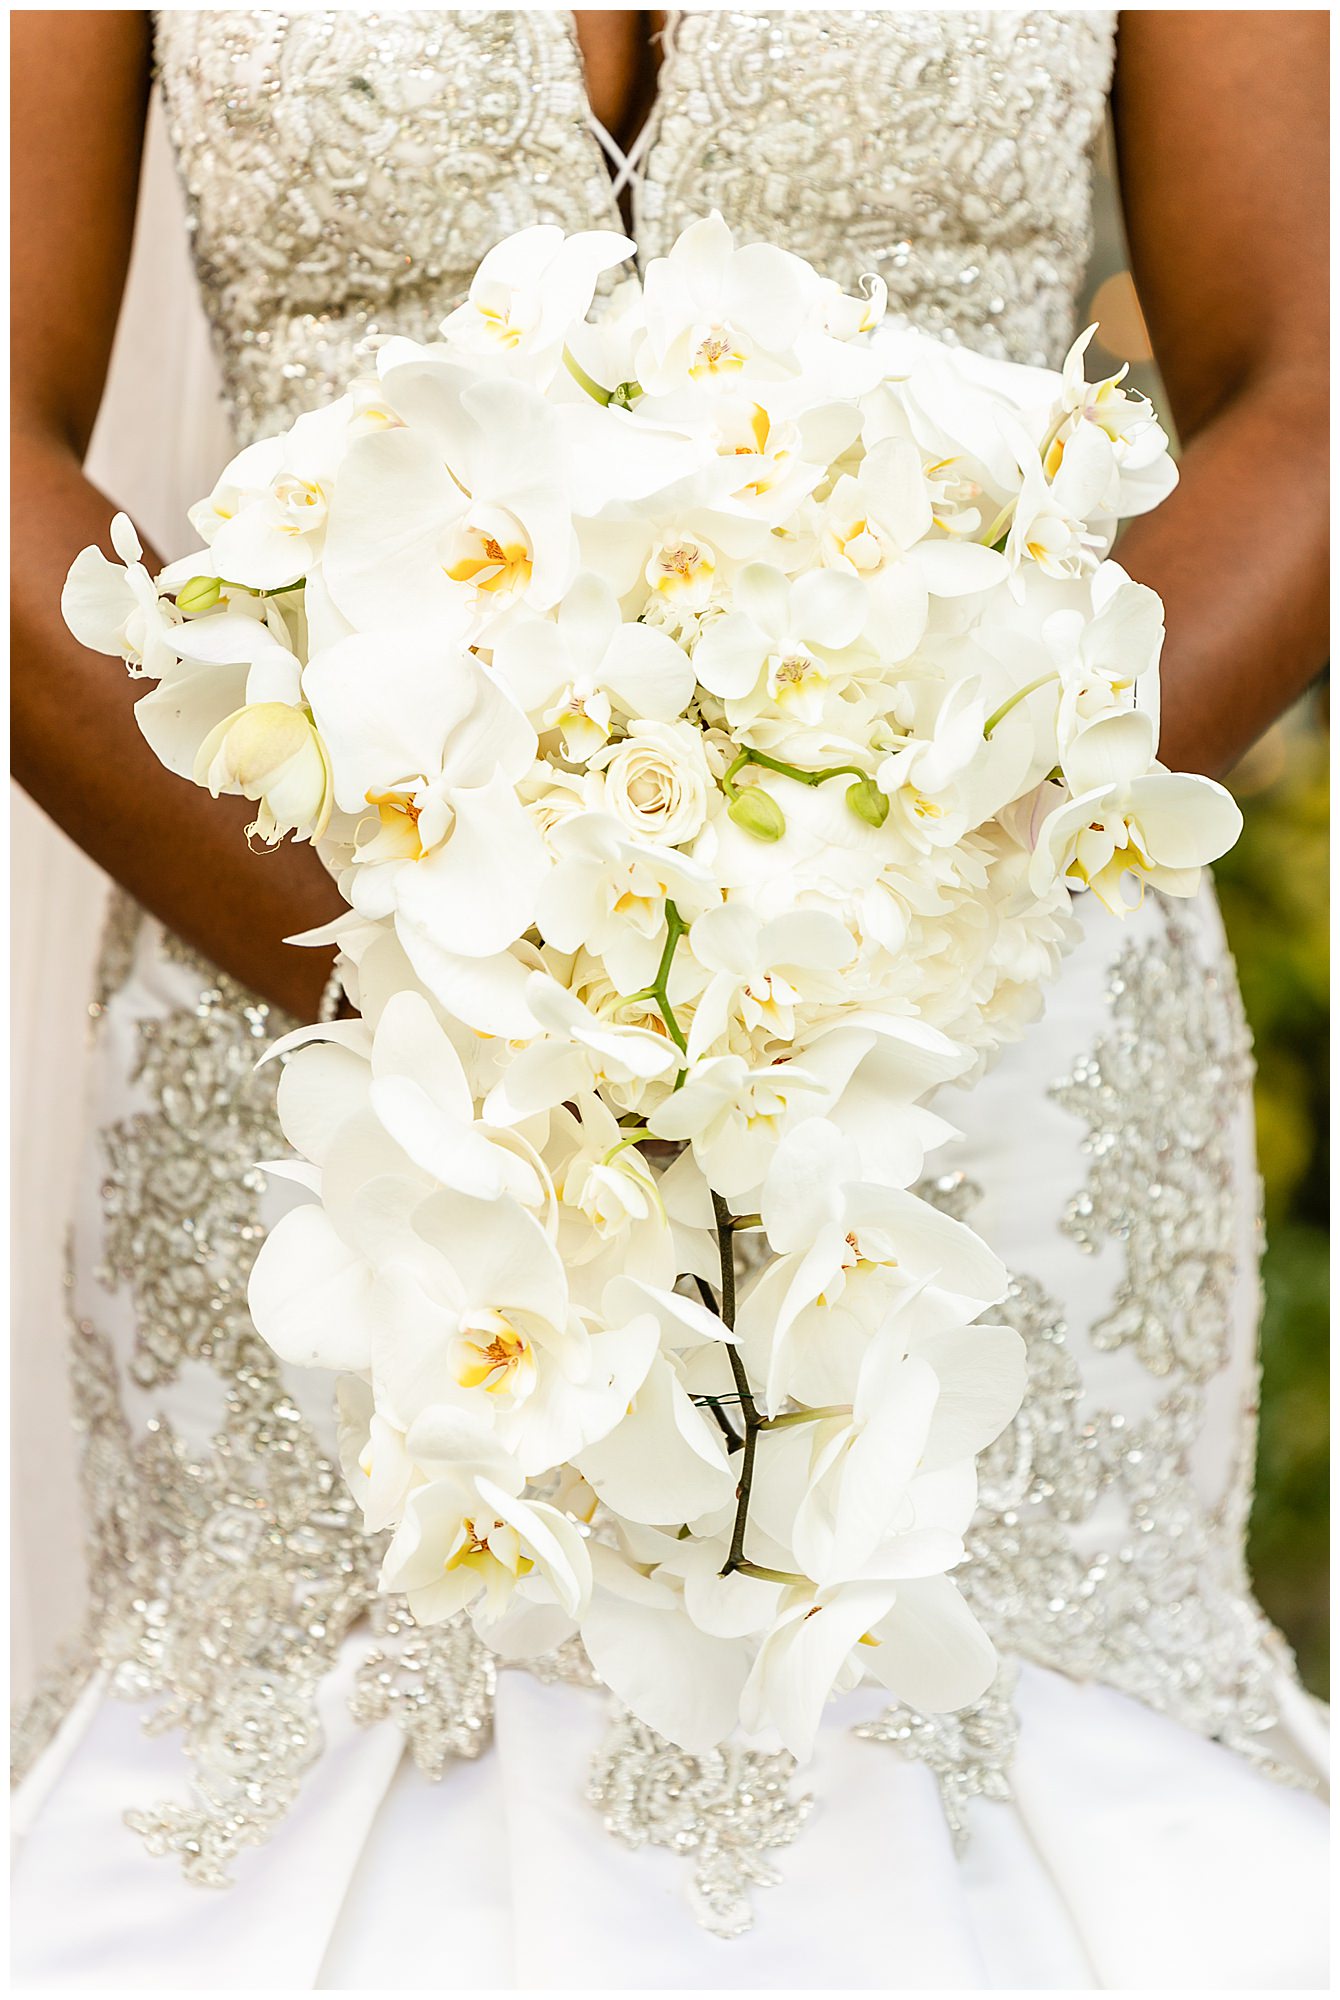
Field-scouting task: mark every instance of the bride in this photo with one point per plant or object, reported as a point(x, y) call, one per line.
point(1133, 1804)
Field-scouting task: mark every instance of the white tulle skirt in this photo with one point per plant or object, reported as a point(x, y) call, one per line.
point(1134, 1855)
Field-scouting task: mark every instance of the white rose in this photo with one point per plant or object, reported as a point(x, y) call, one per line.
point(657, 782)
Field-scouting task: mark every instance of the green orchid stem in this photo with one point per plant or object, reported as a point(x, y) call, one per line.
point(766, 1575)
point(619, 1146)
point(1022, 694)
point(997, 534)
point(585, 381)
point(282, 590)
point(675, 928)
point(752, 1422)
point(816, 1416)
point(730, 788)
point(623, 397)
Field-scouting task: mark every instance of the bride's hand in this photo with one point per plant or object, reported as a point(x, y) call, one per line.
point(80, 89)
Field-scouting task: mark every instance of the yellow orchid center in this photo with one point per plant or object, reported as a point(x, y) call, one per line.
point(494, 1355)
point(718, 353)
point(491, 1548)
point(681, 567)
point(500, 327)
point(497, 567)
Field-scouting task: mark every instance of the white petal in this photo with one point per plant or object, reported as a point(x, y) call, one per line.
point(932, 1653)
point(476, 894)
point(310, 1295)
point(681, 1682)
point(800, 1660)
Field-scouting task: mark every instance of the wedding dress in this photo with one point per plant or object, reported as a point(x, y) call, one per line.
point(1133, 1804)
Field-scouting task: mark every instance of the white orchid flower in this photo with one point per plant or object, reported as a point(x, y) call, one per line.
point(483, 1327)
point(577, 671)
point(419, 1091)
point(265, 522)
point(316, 1290)
point(842, 1486)
point(848, 315)
point(878, 526)
point(936, 784)
point(833, 1229)
point(1144, 471)
point(762, 971)
point(913, 1634)
point(875, 1071)
point(1127, 816)
point(774, 653)
point(526, 294)
point(116, 608)
point(230, 714)
point(603, 1175)
point(373, 1456)
point(418, 733)
point(456, 515)
point(732, 1114)
point(610, 1216)
point(664, 1462)
point(273, 754)
point(574, 1050)
point(714, 312)
point(1051, 517)
point(1099, 658)
point(608, 890)
point(466, 1537)
point(682, 1681)
point(804, 1656)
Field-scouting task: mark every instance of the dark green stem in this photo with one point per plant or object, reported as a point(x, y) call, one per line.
point(752, 1422)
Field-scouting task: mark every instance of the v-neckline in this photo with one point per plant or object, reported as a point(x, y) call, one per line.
point(629, 165)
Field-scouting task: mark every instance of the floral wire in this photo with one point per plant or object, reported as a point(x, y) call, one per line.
point(715, 1403)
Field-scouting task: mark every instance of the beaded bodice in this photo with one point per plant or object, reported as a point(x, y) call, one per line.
point(346, 171)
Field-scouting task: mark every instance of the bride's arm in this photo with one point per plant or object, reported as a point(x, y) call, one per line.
point(80, 84)
point(1221, 123)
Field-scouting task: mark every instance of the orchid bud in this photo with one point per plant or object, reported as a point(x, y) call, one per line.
point(867, 801)
point(200, 594)
point(271, 752)
point(758, 813)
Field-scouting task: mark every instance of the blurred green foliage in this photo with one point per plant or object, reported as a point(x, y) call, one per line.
point(1273, 888)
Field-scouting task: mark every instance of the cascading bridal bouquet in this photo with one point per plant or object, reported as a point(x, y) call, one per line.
point(706, 710)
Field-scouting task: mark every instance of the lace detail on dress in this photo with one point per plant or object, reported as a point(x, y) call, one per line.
point(969, 1753)
point(34, 1722)
point(726, 1809)
point(183, 1188)
point(1164, 1173)
point(345, 172)
point(949, 152)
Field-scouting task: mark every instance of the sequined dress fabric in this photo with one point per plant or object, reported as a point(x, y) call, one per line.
point(345, 172)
